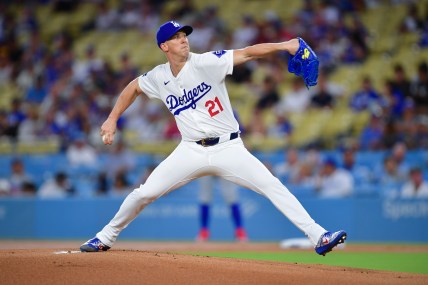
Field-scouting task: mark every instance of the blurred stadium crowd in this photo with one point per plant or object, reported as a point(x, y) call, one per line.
point(63, 64)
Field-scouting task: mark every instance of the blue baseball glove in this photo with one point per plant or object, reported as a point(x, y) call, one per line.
point(305, 63)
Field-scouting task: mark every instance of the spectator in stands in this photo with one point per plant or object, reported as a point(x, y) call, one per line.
point(6, 69)
point(362, 174)
point(4, 124)
point(27, 22)
point(288, 169)
point(26, 76)
point(80, 153)
point(371, 138)
point(313, 157)
point(295, 101)
point(335, 89)
point(367, 98)
point(242, 74)
point(331, 49)
point(407, 128)
point(127, 70)
point(322, 99)
point(305, 177)
point(102, 184)
point(213, 19)
point(308, 169)
point(416, 186)
point(120, 162)
point(412, 22)
point(154, 124)
point(171, 131)
point(334, 182)
point(423, 133)
point(356, 50)
point(246, 33)
point(325, 92)
point(389, 178)
point(31, 128)
point(21, 182)
point(149, 19)
point(37, 93)
point(57, 187)
point(135, 114)
point(15, 117)
point(4, 187)
point(395, 102)
point(82, 69)
point(77, 119)
point(269, 94)
point(120, 186)
point(281, 128)
point(107, 17)
point(419, 89)
point(130, 16)
point(203, 40)
point(423, 37)
point(399, 154)
point(329, 11)
point(307, 13)
point(269, 27)
point(184, 12)
point(400, 82)
point(35, 49)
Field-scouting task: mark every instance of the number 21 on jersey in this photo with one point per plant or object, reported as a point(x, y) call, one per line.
point(214, 106)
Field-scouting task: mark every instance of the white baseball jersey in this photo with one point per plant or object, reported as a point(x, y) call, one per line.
point(197, 96)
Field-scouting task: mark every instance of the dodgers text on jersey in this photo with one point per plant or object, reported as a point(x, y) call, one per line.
point(176, 104)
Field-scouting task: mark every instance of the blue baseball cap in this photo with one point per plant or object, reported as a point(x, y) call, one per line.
point(330, 161)
point(170, 28)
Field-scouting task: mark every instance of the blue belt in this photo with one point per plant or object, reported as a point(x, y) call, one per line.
point(216, 140)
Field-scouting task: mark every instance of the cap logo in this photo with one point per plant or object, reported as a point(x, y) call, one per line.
point(175, 24)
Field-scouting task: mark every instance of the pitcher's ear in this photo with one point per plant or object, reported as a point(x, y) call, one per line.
point(164, 46)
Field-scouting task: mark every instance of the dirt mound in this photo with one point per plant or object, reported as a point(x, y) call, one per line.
point(156, 263)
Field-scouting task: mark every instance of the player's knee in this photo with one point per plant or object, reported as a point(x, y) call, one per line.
point(144, 195)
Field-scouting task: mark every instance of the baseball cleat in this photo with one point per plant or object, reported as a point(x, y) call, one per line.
point(93, 245)
point(204, 235)
point(241, 235)
point(328, 241)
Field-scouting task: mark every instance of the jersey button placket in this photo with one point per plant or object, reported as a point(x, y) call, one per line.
point(190, 110)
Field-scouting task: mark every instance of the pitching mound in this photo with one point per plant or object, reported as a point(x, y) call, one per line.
point(158, 264)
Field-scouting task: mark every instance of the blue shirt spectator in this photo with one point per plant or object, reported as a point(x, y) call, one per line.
point(372, 135)
point(367, 98)
point(38, 92)
point(15, 117)
point(396, 102)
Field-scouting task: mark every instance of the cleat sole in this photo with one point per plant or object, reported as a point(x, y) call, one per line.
point(340, 241)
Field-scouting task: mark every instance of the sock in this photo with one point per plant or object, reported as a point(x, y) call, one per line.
point(204, 215)
point(236, 215)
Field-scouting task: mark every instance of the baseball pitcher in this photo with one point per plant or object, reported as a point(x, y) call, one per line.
point(192, 86)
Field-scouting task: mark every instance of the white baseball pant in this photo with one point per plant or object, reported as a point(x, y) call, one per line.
point(230, 160)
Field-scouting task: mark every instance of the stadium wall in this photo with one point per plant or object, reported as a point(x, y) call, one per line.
point(175, 217)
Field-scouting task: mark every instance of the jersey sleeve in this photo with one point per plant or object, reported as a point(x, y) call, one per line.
point(148, 84)
point(218, 63)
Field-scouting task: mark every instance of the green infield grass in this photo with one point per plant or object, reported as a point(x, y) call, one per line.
point(413, 262)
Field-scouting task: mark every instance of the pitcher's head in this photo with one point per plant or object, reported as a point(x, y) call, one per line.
point(167, 30)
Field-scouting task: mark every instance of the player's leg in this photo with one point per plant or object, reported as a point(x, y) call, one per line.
point(183, 165)
point(206, 185)
point(230, 195)
point(246, 170)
